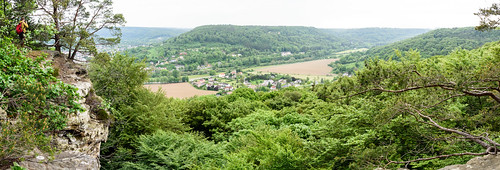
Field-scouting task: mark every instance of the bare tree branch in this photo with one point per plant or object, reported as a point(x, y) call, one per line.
point(474, 138)
point(482, 93)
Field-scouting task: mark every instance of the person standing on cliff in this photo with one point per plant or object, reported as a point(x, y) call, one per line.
point(21, 29)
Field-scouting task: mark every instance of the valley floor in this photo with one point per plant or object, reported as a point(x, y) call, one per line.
point(179, 90)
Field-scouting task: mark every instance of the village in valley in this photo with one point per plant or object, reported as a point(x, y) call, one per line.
point(168, 70)
point(225, 83)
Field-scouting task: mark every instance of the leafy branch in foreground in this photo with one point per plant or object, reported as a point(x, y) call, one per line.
point(452, 94)
point(77, 21)
point(490, 17)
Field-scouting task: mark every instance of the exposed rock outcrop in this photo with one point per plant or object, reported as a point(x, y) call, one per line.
point(486, 162)
point(79, 143)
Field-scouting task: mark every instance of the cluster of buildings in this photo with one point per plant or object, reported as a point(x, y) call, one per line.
point(274, 85)
point(232, 74)
point(211, 84)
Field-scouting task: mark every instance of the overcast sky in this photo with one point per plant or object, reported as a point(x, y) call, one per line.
point(315, 13)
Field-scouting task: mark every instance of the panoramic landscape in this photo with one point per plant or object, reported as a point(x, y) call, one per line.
point(258, 84)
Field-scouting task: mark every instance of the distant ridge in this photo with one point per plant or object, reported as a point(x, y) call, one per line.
point(263, 38)
point(439, 42)
point(136, 36)
point(371, 37)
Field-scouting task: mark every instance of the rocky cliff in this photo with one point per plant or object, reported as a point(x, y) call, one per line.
point(490, 162)
point(79, 143)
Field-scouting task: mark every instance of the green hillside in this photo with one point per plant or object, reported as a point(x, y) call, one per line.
point(439, 42)
point(263, 38)
point(371, 37)
point(436, 42)
point(389, 112)
point(135, 36)
point(229, 47)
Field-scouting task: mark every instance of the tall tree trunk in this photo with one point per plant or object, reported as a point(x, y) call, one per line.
point(74, 51)
point(57, 38)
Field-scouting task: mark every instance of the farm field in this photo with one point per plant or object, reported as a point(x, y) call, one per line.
point(178, 90)
point(311, 69)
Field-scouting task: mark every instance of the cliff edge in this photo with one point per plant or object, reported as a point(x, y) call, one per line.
point(78, 144)
point(485, 162)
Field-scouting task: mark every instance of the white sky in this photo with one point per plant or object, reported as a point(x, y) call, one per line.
point(315, 13)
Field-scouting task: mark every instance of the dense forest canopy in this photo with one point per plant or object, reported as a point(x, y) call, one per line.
point(137, 36)
point(390, 114)
point(436, 42)
point(371, 37)
point(224, 48)
point(439, 42)
point(251, 40)
point(230, 47)
point(264, 38)
point(438, 101)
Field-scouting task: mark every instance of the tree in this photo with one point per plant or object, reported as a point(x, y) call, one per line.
point(116, 77)
point(457, 96)
point(33, 103)
point(176, 74)
point(490, 17)
point(212, 72)
point(11, 13)
point(77, 21)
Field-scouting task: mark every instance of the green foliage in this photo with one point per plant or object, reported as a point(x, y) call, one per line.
point(76, 30)
point(168, 150)
point(265, 148)
point(34, 100)
point(209, 114)
point(438, 42)
point(372, 37)
point(227, 48)
point(150, 112)
point(489, 17)
point(358, 122)
point(136, 111)
point(441, 86)
point(116, 77)
point(262, 38)
point(137, 36)
point(17, 167)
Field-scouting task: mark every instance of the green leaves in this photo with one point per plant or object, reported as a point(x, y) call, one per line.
point(117, 76)
point(168, 150)
point(33, 98)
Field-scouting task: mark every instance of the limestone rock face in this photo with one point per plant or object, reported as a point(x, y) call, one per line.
point(79, 143)
point(486, 162)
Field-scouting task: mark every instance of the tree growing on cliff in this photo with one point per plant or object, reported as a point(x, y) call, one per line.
point(77, 21)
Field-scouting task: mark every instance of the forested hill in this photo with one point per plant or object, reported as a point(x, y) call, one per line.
point(136, 36)
point(371, 37)
point(439, 42)
point(230, 47)
point(263, 38)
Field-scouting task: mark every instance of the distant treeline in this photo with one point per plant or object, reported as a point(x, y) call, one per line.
point(436, 42)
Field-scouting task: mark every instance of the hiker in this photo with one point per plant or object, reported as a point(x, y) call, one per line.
point(21, 29)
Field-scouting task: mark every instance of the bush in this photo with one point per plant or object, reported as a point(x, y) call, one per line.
point(168, 150)
point(34, 100)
